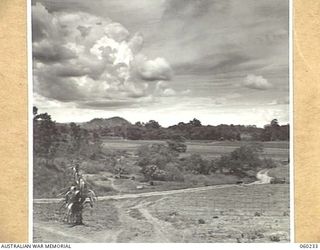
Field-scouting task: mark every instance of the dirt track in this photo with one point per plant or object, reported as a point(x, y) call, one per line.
point(139, 227)
point(262, 177)
point(139, 217)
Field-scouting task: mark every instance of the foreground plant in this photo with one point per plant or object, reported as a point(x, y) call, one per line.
point(77, 197)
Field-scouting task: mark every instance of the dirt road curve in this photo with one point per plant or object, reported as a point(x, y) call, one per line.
point(148, 194)
point(262, 177)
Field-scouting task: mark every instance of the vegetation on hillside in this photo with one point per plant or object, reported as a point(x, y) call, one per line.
point(193, 130)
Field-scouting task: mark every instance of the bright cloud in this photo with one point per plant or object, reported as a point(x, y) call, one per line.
point(91, 61)
point(257, 82)
point(153, 70)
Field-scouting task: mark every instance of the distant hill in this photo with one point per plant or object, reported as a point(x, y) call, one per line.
point(105, 123)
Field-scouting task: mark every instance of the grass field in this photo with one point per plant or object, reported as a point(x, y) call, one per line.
point(257, 213)
point(280, 172)
point(209, 149)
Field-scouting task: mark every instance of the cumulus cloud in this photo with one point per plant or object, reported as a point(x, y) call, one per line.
point(91, 61)
point(136, 43)
point(257, 82)
point(116, 32)
point(163, 89)
point(153, 70)
point(169, 92)
point(47, 52)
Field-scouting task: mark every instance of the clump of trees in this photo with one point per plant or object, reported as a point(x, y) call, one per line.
point(194, 130)
point(177, 144)
point(164, 163)
point(55, 146)
point(159, 162)
point(196, 164)
point(45, 135)
point(275, 132)
point(244, 161)
point(52, 139)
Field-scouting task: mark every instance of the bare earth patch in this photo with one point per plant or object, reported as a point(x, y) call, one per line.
point(257, 213)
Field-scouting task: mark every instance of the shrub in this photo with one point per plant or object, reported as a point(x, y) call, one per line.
point(173, 173)
point(148, 171)
point(197, 165)
point(178, 146)
point(156, 154)
point(242, 160)
point(201, 221)
point(275, 238)
point(268, 163)
point(153, 160)
point(169, 173)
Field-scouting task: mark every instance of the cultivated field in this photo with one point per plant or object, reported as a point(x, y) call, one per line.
point(256, 213)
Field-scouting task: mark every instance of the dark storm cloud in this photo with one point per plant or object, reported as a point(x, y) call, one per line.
point(220, 64)
point(69, 71)
point(209, 37)
point(50, 53)
point(105, 104)
point(63, 5)
point(52, 87)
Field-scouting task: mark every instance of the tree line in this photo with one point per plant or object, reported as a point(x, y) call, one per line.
point(194, 130)
point(52, 139)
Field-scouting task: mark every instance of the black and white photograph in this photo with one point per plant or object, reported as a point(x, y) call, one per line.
point(161, 121)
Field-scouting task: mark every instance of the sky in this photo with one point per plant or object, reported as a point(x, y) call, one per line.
point(222, 62)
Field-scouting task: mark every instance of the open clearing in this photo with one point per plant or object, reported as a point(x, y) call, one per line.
point(207, 149)
point(253, 213)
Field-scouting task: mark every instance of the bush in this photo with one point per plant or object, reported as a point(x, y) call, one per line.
point(169, 173)
point(148, 171)
point(242, 160)
point(197, 165)
point(268, 163)
point(178, 146)
point(173, 173)
point(201, 221)
point(155, 160)
point(275, 238)
point(156, 154)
